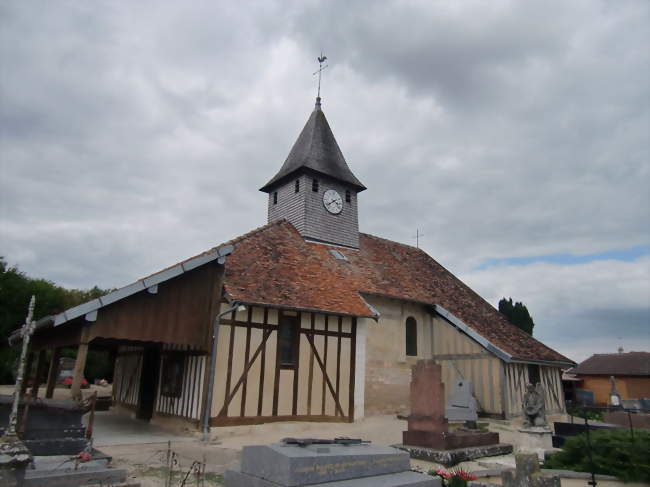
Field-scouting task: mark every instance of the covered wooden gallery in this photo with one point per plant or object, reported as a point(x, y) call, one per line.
point(304, 332)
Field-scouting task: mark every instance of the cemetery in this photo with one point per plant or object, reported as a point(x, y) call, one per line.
point(440, 442)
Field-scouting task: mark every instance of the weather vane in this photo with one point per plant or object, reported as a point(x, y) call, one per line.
point(321, 60)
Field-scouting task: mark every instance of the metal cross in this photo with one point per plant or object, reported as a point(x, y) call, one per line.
point(417, 237)
point(321, 60)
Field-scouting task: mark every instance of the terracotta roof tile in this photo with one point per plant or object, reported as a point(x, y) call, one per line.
point(274, 265)
point(629, 363)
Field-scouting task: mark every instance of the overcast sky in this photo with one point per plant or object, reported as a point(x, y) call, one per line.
point(513, 134)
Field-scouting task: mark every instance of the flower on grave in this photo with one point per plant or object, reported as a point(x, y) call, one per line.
point(83, 457)
point(453, 478)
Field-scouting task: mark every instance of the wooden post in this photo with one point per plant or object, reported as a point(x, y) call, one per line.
point(40, 360)
point(79, 365)
point(53, 373)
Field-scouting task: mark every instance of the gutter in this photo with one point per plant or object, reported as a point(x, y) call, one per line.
point(236, 306)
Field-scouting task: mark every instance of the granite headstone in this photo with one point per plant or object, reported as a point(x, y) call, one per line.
point(333, 465)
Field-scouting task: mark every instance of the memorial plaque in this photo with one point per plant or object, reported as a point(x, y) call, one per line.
point(462, 404)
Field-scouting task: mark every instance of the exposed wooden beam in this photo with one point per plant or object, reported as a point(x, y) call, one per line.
point(462, 356)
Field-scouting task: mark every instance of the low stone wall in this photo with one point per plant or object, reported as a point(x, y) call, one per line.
point(622, 418)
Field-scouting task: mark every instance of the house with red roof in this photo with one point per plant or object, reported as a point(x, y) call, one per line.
point(305, 318)
point(630, 372)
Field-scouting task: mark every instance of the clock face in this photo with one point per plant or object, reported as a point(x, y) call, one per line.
point(332, 201)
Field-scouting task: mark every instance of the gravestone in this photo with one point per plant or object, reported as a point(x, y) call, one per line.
point(325, 465)
point(428, 436)
point(462, 404)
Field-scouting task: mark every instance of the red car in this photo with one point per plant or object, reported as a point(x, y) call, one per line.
point(68, 382)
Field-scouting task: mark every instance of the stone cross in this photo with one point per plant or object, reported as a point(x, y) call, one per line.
point(28, 329)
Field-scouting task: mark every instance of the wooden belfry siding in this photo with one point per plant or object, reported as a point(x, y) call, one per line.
point(126, 384)
point(252, 387)
point(516, 379)
point(188, 404)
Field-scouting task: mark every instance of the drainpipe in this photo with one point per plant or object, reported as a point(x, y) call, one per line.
point(213, 365)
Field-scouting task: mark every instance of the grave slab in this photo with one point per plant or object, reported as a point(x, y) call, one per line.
point(327, 465)
point(455, 456)
point(235, 478)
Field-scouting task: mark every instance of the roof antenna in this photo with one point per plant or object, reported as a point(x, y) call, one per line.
point(321, 60)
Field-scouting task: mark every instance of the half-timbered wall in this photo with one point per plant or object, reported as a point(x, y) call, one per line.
point(251, 386)
point(188, 403)
point(463, 358)
point(516, 379)
point(126, 383)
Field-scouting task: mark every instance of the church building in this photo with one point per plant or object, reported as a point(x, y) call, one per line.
point(303, 319)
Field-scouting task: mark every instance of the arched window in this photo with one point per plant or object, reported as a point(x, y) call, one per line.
point(411, 337)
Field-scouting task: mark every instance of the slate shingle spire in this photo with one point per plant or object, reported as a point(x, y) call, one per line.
point(316, 150)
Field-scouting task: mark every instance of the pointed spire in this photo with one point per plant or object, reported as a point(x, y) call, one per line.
point(316, 150)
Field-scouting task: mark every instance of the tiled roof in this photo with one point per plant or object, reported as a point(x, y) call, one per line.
point(316, 150)
point(274, 265)
point(629, 363)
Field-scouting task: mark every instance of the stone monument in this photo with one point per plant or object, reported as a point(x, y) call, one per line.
point(535, 436)
point(527, 474)
point(325, 463)
point(614, 396)
point(462, 404)
point(533, 406)
point(428, 436)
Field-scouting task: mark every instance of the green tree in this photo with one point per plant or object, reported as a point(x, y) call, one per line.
point(517, 314)
point(16, 289)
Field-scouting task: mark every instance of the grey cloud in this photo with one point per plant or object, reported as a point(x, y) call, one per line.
point(133, 135)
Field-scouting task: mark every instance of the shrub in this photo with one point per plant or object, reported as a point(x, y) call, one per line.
point(592, 414)
point(613, 452)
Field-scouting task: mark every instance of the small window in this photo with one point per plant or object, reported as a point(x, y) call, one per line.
point(533, 374)
point(314, 185)
point(297, 189)
point(288, 342)
point(172, 375)
point(275, 197)
point(411, 337)
point(348, 197)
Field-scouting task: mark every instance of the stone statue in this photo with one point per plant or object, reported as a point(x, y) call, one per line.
point(614, 396)
point(533, 405)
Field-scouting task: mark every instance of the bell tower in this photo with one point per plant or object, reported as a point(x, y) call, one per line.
point(315, 189)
